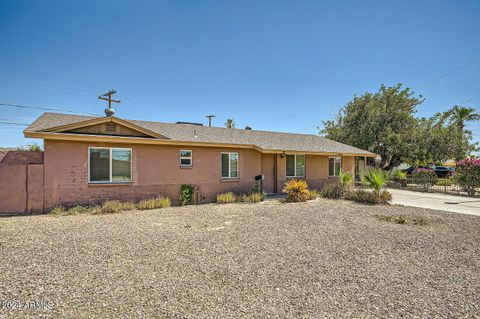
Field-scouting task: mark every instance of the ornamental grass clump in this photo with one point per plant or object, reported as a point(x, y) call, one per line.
point(425, 177)
point(114, 206)
point(313, 194)
point(368, 197)
point(224, 198)
point(154, 203)
point(332, 190)
point(467, 175)
point(297, 190)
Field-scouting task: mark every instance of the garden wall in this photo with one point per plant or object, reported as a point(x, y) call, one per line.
point(21, 183)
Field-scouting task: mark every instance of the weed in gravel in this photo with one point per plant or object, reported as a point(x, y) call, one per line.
point(403, 219)
point(156, 202)
point(223, 198)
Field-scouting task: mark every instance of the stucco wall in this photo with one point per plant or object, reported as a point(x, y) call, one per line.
point(156, 170)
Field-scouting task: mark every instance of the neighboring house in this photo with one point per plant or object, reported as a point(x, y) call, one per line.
point(90, 159)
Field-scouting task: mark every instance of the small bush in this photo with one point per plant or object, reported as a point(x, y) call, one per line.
point(445, 182)
point(153, 203)
point(253, 197)
point(224, 198)
point(398, 174)
point(312, 194)
point(79, 209)
point(186, 194)
point(424, 177)
point(114, 206)
point(367, 197)
point(467, 175)
point(332, 190)
point(297, 190)
point(57, 210)
point(403, 219)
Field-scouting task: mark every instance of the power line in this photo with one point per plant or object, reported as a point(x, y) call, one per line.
point(13, 123)
point(449, 72)
point(44, 108)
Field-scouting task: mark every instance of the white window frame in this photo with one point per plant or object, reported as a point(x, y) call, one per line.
point(186, 157)
point(335, 174)
point(295, 165)
point(230, 166)
point(110, 165)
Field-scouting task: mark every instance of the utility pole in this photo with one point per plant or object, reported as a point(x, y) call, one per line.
point(108, 97)
point(210, 119)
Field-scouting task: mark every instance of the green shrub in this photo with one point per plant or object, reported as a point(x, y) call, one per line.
point(332, 190)
point(186, 194)
point(297, 190)
point(345, 178)
point(153, 203)
point(467, 175)
point(424, 177)
point(398, 174)
point(445, 182)
point(368, 197)
point(114, 206)
point(224, 198)
point(80, 209)
point(313, 194)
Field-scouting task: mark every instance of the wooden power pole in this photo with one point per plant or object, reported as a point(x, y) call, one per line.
point(210, 119)
point(108, 97)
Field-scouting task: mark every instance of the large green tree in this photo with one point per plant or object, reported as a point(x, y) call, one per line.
point(380, 122)
point(384, 123)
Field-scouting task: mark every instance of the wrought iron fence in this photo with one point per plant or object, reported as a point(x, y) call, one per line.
point(437, 185)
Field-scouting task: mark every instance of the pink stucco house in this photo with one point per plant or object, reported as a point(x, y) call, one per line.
point(90, 159)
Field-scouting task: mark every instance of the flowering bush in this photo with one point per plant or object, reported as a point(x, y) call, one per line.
point(467, 175)
point(425, 177)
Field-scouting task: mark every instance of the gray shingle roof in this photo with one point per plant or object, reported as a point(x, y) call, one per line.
point(216, 135)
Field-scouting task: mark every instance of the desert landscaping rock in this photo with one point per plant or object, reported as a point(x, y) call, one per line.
point(320, 259)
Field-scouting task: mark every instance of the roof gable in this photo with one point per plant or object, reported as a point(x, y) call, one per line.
point(105, 126)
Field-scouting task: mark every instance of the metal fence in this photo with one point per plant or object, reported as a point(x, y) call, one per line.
point(437, 185)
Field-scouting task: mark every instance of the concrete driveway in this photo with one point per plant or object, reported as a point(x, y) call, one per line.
point(456, 204)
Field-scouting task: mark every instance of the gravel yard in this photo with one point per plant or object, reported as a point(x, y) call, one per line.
point(320, 259)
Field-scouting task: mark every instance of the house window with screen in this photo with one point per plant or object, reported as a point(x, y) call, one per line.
point(229, 165)
point(109, 165)
point(334, 165)
point(295, 165)
point(185, 158)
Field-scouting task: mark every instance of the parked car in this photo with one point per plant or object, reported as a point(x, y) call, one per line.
point(443, 171)
point(410, 170)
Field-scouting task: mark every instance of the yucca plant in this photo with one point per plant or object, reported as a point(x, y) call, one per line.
point(375, 179)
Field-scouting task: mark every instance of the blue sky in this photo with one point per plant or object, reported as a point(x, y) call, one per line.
point(272, 65)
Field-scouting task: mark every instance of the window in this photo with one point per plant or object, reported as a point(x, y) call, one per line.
point(109, 165)
point(334, 166)
point(229, 165)
point(295, 165)
point(185, 158)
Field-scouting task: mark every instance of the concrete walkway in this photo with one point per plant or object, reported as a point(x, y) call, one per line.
point(456, 204)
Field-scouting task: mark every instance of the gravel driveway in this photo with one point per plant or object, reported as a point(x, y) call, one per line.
point(320, 259)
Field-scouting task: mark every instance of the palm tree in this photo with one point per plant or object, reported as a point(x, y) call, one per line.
point(345, 178)
point(375, 179)
point(230, 123)
point(460, 115)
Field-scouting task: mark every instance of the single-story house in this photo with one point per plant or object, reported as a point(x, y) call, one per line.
point(90, 159)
